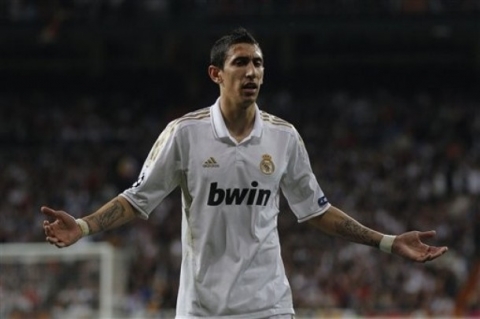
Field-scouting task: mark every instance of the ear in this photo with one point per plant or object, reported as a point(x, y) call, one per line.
point(215, 74)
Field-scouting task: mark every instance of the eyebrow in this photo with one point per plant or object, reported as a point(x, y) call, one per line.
point(248, 58)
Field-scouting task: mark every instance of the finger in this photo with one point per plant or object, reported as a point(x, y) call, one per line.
point(428, 257)
point(49, 211)
point(49, 241)
point(46, 227)
point(46, 224)
point(48, 232)
point(57, 214)
point(52, 240)
point(438, 252)
point(434, 254)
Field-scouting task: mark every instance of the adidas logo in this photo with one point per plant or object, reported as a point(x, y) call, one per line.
point(210, 162)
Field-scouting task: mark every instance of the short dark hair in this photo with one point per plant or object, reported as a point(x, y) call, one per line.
point(219, 50)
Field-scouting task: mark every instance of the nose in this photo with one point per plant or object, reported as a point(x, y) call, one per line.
point(251, 70)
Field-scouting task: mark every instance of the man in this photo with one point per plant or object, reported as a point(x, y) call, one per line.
point(231, 160)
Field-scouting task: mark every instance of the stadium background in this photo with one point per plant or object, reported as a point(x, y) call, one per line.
point(385, 94)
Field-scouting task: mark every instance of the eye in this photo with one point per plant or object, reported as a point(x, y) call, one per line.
point(258, 62)
point(240, 61)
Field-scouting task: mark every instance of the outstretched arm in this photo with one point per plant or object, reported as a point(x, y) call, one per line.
point(409, 245)
point(65, 230)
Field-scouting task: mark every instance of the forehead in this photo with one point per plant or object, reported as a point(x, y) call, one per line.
point(244, 50)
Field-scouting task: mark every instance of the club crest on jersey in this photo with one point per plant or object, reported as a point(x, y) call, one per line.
point(267, 166)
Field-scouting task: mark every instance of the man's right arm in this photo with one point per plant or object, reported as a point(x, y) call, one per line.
point(113, 214)
point(65, 230)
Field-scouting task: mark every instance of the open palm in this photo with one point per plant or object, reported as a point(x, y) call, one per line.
point(410, 245)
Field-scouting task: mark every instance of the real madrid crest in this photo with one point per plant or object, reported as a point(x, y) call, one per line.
point(267, 166)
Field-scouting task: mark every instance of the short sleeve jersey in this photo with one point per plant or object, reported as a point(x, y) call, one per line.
point(231, 266)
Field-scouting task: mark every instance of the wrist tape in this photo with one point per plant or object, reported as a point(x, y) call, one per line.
point(386, 243)
point(83, 226)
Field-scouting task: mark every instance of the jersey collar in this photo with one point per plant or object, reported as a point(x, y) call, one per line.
point(220, 128)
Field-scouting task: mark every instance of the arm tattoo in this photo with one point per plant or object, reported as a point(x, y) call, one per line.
point(108, 217)
point(354, 231)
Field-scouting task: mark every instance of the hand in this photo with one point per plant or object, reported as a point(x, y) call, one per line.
point(63, 231)
point(410, 245)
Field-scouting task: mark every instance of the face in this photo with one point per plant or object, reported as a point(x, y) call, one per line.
point(242, 74)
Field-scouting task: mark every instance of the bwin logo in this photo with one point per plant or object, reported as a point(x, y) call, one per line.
point(237, 196)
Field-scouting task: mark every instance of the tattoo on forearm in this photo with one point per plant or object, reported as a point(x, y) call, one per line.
point(355, 232)
point(108, 217)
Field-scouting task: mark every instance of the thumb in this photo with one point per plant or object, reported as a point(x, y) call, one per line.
point(427, 234)
point(57, 214)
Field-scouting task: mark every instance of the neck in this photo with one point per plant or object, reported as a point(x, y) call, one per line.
point(239, 119)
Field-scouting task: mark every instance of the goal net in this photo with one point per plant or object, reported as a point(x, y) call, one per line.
point(38, 280)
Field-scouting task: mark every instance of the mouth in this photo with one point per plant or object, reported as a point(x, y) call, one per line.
point(250, 88)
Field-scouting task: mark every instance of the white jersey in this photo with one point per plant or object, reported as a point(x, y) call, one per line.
point(232, 266)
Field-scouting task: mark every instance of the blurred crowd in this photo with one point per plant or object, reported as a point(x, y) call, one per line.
point(28, 290)
point(396, 161)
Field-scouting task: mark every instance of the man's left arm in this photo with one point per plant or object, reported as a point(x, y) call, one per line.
point(409, 245)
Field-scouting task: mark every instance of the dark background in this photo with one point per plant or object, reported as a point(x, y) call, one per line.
point(52, 45)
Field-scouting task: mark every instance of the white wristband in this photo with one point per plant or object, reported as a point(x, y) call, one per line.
point(83, 226)
point(386, 243)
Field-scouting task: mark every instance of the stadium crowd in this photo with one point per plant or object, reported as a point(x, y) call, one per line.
point(394, 160)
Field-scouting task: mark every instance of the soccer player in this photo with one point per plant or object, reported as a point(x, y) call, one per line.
point(231, 160)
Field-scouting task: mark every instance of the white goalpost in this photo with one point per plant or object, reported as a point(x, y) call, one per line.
point(85, 280)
